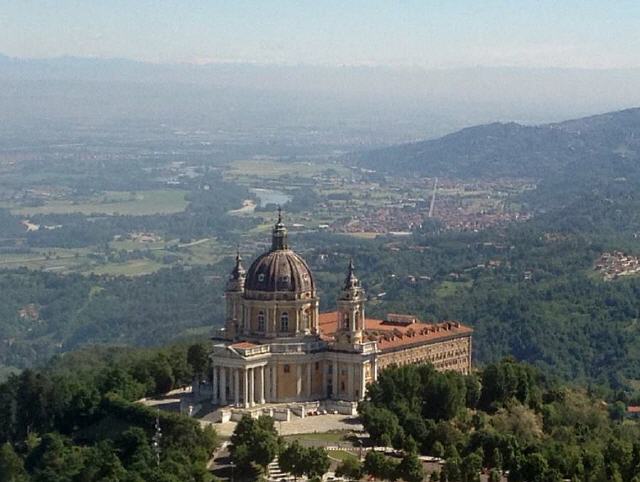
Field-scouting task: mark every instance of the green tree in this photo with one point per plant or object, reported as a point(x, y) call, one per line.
point(381, 424)
point(11, 465)
point(437, 449)
point(378, 466)
point(453, 469)
point(135, 451)
point(101, 463)
point(535, 468)
point(316, 462)
point(495, 460)
point(350, 468)
point(198, 358)
point(293, 459)
point(54, 460)
point(444, 396)
point(471, 466)
point(410, 468)
point(617, 411)
point(495, 475)
point(254, 442)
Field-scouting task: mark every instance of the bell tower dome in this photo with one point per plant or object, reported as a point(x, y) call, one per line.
point(351, 319)
point(233, 294)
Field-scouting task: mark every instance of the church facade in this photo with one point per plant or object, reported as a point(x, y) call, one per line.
point(276, 348)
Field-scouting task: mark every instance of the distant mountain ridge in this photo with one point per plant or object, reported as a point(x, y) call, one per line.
point(605, 143)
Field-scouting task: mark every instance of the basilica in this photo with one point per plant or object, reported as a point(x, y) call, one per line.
point(277, 348)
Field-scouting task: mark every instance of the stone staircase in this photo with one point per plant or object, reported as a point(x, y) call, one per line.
point(275, 474)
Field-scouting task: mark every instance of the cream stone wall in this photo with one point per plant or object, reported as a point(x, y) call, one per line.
point(317, 378)
point(453, 354)
point(287, 381)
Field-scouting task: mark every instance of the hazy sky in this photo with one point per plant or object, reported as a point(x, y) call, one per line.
point(429, 33)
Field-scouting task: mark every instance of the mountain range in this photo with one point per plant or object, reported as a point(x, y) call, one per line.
point(370, 106)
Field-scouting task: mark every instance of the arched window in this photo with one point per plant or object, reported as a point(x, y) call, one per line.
point(345, 321)
point(261, 321)
point(284, 321)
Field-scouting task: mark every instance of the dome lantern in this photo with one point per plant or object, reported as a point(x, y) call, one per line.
point(279, 235)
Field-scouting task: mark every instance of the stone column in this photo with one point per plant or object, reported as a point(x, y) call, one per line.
point(261, 380)
point(316, 316)
point(275, 321)
point(350, 375)
point(334, 380)
point(274, 383)
point(236, 380)
point(363, 385)
point(252, 380)
point(308, 381)
point(214, 385)
point(267, 383)
point(298, 380)
point(245, 386)
point(223, 386)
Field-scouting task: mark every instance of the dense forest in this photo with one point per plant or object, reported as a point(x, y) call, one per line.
point(508, 418)
point(64, 312)
point(76, 420)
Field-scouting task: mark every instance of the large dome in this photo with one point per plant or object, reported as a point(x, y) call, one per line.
point(280, 269)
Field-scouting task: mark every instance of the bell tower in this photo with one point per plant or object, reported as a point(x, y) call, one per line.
point(233, 293)
point(351, 317)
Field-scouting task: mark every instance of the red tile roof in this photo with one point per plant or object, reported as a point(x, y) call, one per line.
point(391, 335)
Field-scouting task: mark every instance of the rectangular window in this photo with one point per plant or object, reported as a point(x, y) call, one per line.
point(286, 369)
point(317, 366)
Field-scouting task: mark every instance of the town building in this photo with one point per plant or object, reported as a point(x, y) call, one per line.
point(276, 348)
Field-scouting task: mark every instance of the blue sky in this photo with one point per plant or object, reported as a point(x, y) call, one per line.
point(447, 33)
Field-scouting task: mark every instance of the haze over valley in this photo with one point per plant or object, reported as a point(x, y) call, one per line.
point(300, 241)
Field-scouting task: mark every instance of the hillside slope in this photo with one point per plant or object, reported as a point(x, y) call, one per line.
point(514, 150)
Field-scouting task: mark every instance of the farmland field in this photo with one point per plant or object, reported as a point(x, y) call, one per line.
point(112, 202)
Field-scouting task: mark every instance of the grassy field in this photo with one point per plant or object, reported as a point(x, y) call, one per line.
point(451, 288)
point(137, 267)
point(267, 168)
point(136, 203)
point(204, 251)
point(342, 455)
